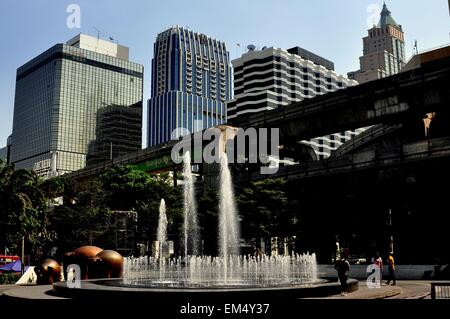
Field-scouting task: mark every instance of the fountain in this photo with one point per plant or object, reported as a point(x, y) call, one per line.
point(229, 274)
point(191, 239)
point(162, 237)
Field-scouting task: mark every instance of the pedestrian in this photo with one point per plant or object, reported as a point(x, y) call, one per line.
point(378, 262)
point(391, 267)
point(343, 268)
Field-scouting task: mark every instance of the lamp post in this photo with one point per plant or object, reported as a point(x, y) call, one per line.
point(22, 264)
point(391, 235)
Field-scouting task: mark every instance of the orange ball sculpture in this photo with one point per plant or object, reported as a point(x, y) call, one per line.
point(106, 264)
point(95, 263)
point(48, 272)
point(81, 257)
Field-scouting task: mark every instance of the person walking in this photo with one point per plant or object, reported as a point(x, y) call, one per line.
point(343, 268)
point(378, 262)
point(391, 267)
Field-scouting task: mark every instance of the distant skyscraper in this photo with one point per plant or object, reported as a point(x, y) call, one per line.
point(5, 152)
point(118, 132)
point(191, 81)
point(384, 50)
point(270, 78)
point(3, 155)
point(58, 96)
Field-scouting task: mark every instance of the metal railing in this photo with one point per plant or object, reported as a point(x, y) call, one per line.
point(440, 290)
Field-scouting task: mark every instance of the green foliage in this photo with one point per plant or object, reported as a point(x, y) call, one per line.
point(125, 186)
point(264, 208)
point(8, 279)
point(23, 205)
point(85, 221)
point(89, 217)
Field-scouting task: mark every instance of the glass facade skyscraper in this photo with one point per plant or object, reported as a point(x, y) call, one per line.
point(191, 82)
point(58, 96)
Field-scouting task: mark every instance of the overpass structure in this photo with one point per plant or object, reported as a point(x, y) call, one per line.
point(407, 154)
point(388, 100)
point(392, 100)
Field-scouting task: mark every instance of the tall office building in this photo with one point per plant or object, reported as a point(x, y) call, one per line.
point(272, 77)
point(191, 81)
point(5, 152)
point(58, 96)
point(384, 50)
point(118, 132)
point(4, 155)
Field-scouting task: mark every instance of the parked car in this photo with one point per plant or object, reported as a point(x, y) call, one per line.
point(357, 260)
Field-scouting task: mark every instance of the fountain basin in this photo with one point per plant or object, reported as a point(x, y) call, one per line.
point(154, 290)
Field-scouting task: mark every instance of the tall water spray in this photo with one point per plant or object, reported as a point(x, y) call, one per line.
point(191, 237)
point(228, 221)
point(162, 223)
point(162, 236)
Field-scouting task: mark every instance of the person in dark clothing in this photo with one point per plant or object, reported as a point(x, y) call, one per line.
point(343, 268)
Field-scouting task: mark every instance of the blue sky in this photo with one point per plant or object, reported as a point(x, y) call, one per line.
point(331, 28)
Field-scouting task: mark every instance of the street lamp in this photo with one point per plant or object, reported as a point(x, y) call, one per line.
point(391, 237)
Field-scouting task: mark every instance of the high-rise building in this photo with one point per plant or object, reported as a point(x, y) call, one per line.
point(3, 155)
point(5, 152)
point(265, 79)
point(58, 96)
point(191, 81)
point(384, 50)
point(118, 132)
point(272, 77)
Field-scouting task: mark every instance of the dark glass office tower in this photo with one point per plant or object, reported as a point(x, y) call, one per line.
point(58, 96)
point(118, 133)
point(191, 81)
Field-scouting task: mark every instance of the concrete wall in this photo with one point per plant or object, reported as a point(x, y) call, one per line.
point(402, 271)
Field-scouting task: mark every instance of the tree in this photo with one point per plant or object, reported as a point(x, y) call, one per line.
point(89, 216)
point(23, 206)
point(264, 209)
point(125, 186)
point(84, 219)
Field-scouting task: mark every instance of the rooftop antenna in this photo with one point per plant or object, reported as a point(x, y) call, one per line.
point(103, 35)
point(98, 32)
point(415, 48)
